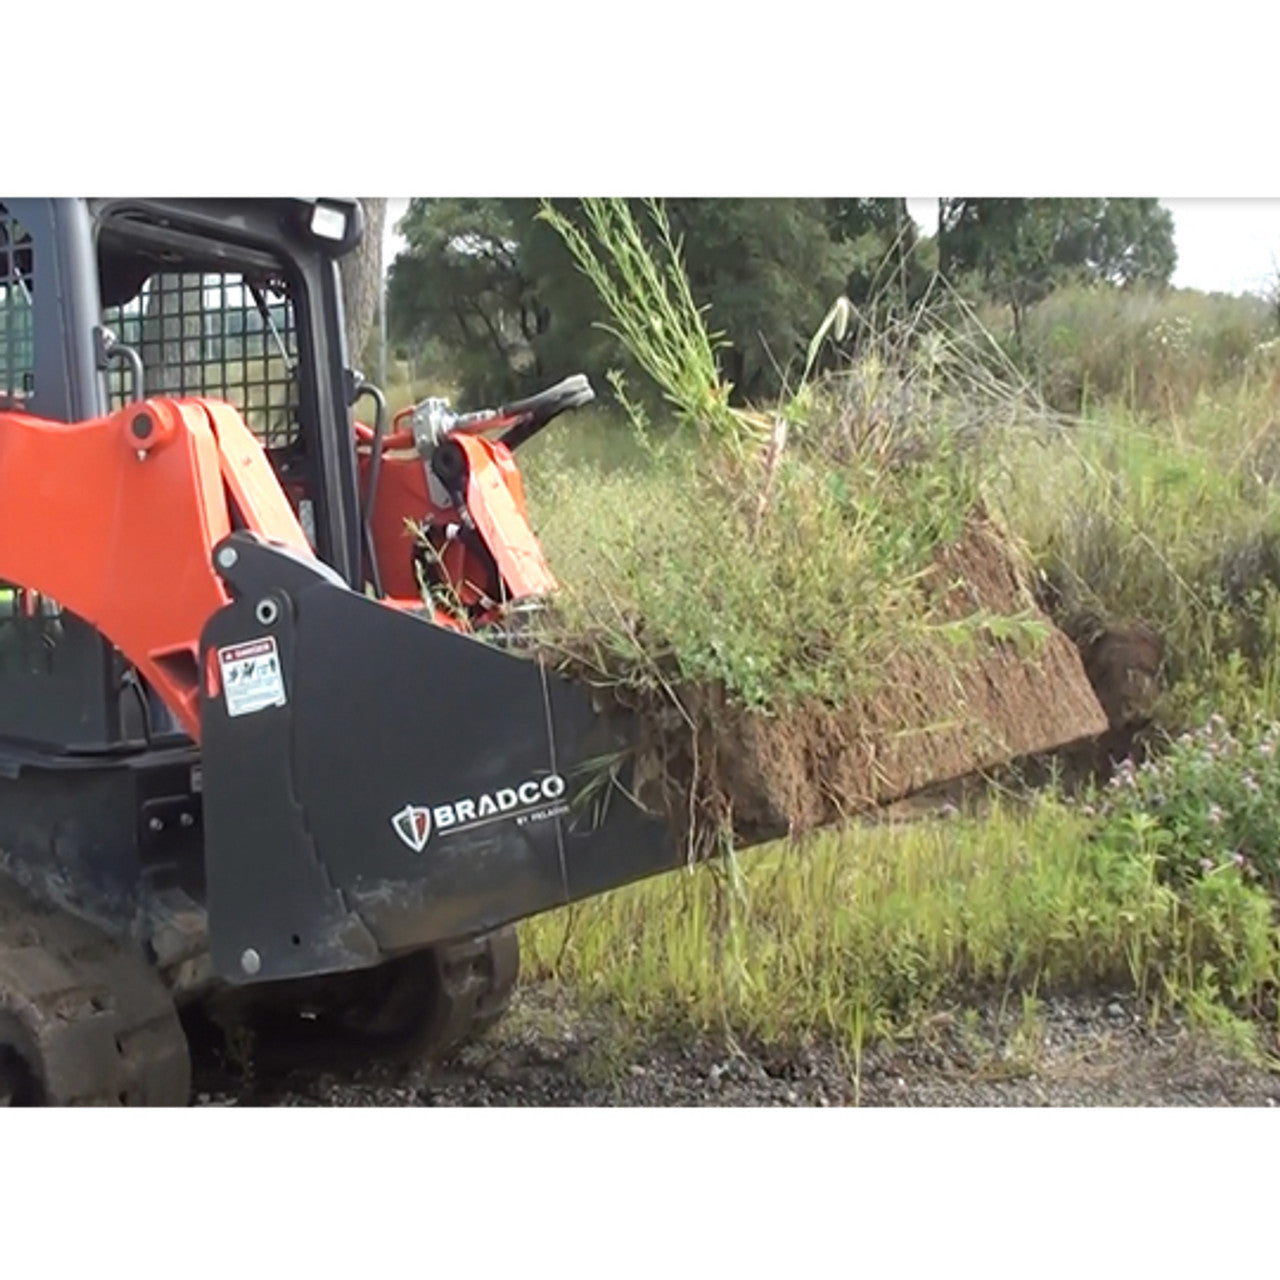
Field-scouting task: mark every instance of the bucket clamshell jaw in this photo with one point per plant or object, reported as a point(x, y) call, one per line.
point(375, 783)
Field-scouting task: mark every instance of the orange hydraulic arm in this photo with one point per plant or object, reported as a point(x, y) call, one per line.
point(116, 519)
point(407, 516)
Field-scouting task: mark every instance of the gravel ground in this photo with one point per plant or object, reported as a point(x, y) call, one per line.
point(550, 1051)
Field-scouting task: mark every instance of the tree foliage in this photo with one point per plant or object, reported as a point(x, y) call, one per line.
point(494, 289)
point(1018, 251)
point(462, 282)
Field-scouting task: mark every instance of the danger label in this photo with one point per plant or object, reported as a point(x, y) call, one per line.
point(251, 678)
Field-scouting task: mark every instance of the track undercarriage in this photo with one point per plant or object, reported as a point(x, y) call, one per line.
point(88, 1019)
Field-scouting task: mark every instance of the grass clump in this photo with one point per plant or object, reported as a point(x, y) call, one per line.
point(645, 290)
point(664, 573)
point(810, 611)
point(778, 554)
point(1175, 524)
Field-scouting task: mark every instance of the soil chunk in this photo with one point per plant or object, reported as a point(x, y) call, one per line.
point(1008, 684)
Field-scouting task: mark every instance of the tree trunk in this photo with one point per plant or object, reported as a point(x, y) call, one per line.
point(361, 272)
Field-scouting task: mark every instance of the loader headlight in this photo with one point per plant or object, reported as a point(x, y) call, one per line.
point(328, 222)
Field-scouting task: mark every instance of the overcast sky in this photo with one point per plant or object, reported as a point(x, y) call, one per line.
point(1229, 246)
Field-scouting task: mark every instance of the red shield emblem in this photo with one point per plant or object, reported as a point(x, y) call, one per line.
point(413, 825)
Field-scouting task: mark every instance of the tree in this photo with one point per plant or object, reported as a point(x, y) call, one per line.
point(770, 270)
point(361, 273)
point(1018, 251)
point(893, 266)
point(498, 289)
point(462, 281)
point(1131, 241)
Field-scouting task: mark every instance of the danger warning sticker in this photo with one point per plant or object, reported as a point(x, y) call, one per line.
point(251, 678)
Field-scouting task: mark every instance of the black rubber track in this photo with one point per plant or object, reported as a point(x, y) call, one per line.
point(84, 1020)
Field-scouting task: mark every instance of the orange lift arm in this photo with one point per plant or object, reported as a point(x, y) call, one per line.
point(116, 519)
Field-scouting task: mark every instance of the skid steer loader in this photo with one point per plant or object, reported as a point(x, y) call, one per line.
point(253, 756)
point(271, 753)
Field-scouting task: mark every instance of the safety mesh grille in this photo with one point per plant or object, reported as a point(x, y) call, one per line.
point(217, 336)
point(17, 279)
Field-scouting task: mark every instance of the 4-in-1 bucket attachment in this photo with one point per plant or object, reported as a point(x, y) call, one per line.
point(374, 783)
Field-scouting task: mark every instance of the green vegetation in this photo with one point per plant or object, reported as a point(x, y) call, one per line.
point(1156, 352)
point(866, 933)
point(1019, 251)
point(661, 573)
point(1159, 503)
point(1129, 437)
point(777, 571)
point(1161, 885)
point(1207, 807)
point(488, 293)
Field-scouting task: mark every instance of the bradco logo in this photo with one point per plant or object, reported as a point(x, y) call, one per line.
point(413, 825)
point(532, 800)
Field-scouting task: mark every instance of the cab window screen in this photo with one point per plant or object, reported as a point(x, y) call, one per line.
point(218, 336)
point(17, 280)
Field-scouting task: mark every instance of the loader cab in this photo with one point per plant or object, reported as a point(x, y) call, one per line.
point(106, 301)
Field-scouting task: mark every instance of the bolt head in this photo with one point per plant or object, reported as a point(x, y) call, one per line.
point(227, 558)
point(155, 824)
point(250, 961)
point(186, 820)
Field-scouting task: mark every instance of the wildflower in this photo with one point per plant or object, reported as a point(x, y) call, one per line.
point(1125, 774)
point(1206, 865)
point(1238, 858)
point(1215, 815)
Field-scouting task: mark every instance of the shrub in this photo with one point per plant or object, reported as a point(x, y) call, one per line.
point(1208, 807)
point(1155, 352)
